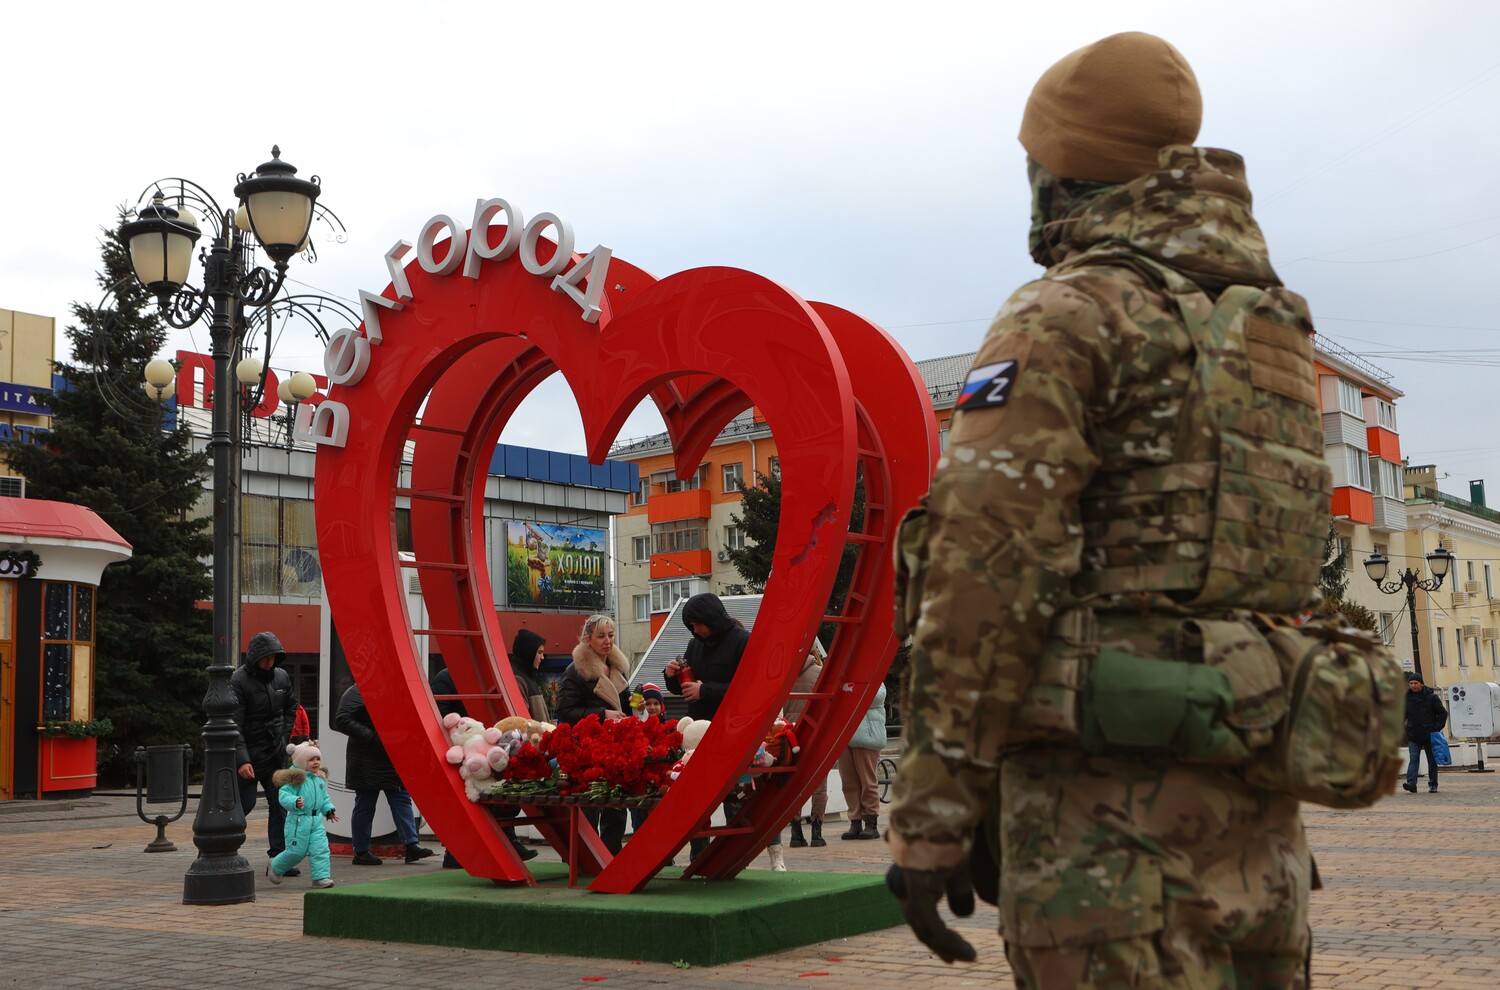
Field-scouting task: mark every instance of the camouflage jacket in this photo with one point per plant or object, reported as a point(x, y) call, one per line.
point(1083, 371)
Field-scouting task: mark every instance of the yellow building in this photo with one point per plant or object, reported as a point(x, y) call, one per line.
point(1458, 626)
point(25, 383)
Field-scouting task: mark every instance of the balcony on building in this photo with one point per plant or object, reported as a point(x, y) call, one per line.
point(680, 563)
point(670, 506)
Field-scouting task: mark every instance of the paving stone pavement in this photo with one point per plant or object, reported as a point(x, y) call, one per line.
point(1411, 901)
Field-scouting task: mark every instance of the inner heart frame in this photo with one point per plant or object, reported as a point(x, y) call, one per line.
point(450, 368)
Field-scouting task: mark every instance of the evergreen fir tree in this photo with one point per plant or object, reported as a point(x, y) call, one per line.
point(108, 451)
point(759, 515)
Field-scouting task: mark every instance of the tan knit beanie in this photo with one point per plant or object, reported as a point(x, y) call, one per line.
point(1103, 112)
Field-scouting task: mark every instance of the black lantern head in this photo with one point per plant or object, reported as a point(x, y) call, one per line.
point(279, 207)
point(160, 242)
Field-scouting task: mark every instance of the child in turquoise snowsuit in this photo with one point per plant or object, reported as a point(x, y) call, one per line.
point(304, 794)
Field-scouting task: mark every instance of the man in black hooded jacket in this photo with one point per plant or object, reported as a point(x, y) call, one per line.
point(265, 706)
point(712, 657)
point(1425, 715)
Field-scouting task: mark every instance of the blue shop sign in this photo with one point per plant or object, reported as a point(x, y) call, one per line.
point(34, 399)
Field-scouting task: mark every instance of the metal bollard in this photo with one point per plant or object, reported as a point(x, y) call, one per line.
point(161, 775)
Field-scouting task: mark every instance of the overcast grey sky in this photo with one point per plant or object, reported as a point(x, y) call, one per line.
point(862, 154)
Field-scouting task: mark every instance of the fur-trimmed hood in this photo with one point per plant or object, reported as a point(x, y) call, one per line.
point(610, 674)
point(292, 777)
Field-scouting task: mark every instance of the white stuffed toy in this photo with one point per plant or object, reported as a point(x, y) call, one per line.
point(476, 751)
point(693, 731)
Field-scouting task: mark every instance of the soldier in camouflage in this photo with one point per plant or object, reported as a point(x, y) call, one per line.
point(1086, 504)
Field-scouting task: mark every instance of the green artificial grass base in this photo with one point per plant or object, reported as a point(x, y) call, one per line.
point(703, 922)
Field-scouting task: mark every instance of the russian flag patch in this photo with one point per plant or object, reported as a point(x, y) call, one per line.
point(987, 386)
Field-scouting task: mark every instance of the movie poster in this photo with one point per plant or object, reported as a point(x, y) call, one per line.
point(550, 566)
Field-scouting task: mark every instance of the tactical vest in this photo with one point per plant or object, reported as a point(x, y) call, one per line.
point(1238, 520)
point(1231, 534)
point(1183, 643)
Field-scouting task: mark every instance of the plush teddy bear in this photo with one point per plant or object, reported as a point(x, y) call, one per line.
point(531, 730)
point(476, 750)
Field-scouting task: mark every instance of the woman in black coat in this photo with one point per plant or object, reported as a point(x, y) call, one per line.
point(595, 683)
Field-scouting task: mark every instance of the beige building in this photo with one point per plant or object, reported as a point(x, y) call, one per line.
point(25, 383)
point(1458, 626)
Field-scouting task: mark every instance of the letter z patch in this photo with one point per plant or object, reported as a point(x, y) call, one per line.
point(988, 386)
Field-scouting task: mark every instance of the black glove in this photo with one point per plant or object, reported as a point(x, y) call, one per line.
point(919, 892)
point(984, 872)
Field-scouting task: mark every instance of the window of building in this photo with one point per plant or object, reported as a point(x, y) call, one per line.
point(640, 548)
point(1442, 647)
point(642, 605)
point(943, 441)
point(734, 477)
point(1458, 642)
point(734, 538)
point(1471, 570)
point(1385, 415)
point(674, 483)
point(664, 594)
point(679, 535)
point(1350, 399)
point(1388, 627)
point(642, 491)
point(1385, 478)
point(775, 468)
point(67, 651)
point(1489, 587)
point(1494, 655)
point(1357, 464)
point(279, 547)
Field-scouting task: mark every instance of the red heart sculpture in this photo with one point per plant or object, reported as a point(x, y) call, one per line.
point(703, 344)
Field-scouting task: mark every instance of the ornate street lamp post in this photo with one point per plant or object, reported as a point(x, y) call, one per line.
point(1438, 562)
point(275, 215)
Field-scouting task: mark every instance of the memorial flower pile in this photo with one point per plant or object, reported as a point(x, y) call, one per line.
point(594, 760)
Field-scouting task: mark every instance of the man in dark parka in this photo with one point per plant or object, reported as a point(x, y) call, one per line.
point(265, 707)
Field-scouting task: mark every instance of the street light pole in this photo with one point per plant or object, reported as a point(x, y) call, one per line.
point(1438, 562)
point(277, 211)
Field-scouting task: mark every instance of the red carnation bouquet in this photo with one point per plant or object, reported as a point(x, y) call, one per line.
point(596, 760)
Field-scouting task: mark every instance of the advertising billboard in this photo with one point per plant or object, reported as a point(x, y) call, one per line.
point(549, 566)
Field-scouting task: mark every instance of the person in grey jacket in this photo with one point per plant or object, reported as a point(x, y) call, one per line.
point(369, 774)
point(857, 770)
point(265, 707)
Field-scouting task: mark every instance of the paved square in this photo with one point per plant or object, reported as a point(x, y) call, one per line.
point(1411, 898)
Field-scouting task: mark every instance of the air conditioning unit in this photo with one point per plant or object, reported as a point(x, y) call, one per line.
point(1471, 630)
point(723, 556)
point(1490, 632)
point(1471, 587)
point(12, 487)
point(1460, 599)
point(1446, 543)
point(1495, 604)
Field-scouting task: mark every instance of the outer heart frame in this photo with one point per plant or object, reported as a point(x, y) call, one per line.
point(451, 368)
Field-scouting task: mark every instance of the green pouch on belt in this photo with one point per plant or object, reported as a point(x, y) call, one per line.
point(1137, 703)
